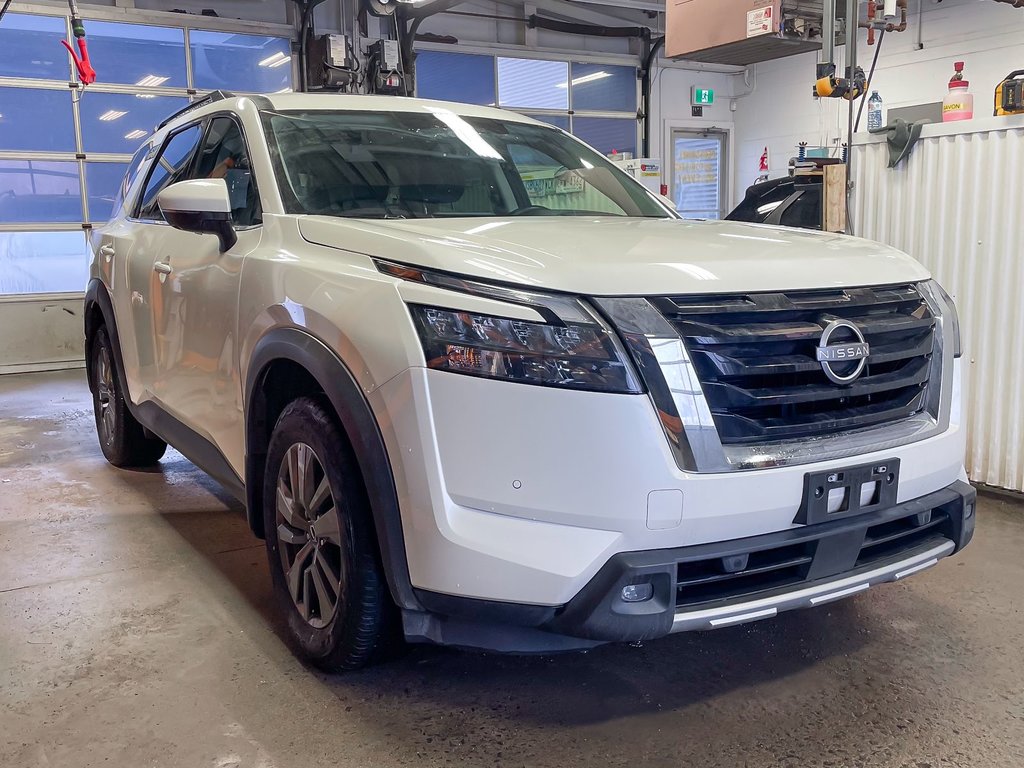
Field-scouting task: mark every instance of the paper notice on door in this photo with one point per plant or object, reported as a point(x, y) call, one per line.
point(759, 21)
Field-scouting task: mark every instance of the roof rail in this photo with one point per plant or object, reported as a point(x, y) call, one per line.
point(207, 99)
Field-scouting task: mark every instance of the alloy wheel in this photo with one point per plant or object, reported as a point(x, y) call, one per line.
point(309, 536)
point(105, 397)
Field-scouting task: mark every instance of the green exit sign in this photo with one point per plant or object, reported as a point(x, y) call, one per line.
point(701, 97)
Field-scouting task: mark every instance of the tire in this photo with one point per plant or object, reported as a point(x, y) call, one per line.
point(324, 562)
point(123, 440)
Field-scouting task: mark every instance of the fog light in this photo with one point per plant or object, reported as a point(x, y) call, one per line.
point(968, 511)
point(637, 593)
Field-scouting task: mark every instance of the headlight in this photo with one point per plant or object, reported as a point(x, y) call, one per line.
point(947, 311)
point(573, 349)
point(574, 356)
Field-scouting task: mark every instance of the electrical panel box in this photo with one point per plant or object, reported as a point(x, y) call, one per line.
point(386, 54)
point(330, 65)
point(743, 32)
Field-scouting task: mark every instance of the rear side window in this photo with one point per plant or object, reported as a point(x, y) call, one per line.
point(171, 165)
point(805, 211)
point(129, 177)
point(224, 156)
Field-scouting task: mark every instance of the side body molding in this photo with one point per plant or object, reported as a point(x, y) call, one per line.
point(359, 423)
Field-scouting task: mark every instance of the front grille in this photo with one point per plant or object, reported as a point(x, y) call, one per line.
point(705, 581)
point(755, 357)
point(887, 539)
point(708, 581)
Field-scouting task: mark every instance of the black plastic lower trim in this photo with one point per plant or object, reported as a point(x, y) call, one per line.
point(598, 614)
point(189, 444)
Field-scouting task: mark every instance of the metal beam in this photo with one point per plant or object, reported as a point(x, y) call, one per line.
point(633, 5)
point(572, 11)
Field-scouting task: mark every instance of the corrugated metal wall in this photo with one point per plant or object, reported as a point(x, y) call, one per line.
point(956, 204)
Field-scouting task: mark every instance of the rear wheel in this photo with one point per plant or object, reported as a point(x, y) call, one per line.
point(323, 557)
point(123, 440)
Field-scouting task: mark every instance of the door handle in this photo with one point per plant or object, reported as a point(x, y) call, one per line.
point(107, 251)
point(162, 267)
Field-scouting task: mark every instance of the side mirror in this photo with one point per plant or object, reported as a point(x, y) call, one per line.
point(202, 206)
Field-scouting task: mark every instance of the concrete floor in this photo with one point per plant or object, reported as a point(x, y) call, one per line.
point(135, 630)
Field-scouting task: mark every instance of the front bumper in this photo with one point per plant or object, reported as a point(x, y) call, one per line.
point(520, 494)
point(709, 586)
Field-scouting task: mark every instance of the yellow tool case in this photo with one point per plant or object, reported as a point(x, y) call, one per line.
point(1010, 95)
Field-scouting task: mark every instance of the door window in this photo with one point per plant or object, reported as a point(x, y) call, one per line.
point(172, 165)
point(224, 156)
point(698, 174)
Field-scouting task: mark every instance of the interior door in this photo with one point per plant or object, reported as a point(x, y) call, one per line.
point(699, 174)
point(197, 368)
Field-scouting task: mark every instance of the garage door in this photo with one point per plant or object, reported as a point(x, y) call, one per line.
point(63, 151)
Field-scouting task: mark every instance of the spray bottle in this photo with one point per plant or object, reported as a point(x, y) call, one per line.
point(959, 102)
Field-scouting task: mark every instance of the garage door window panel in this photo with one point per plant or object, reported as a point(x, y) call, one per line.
point(533, 83)
point(559, 121)
point(225, 156)
point(116, 123)
point(237, 62)
point(104, 182)
point(173, 164)
point(464, 77)
point(39, 191)
point(603, 88)
point(138, 54)
point(607, 135)
point(36, 120)
point(43, 262)
point(31, 47)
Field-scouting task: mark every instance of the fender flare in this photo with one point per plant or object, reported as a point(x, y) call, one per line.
point(364, 434)
point(96, 295)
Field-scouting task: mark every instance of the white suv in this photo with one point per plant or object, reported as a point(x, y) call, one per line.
point(468, 376)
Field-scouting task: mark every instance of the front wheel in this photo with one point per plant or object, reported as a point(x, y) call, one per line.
point(123, 440)
point(323, 559)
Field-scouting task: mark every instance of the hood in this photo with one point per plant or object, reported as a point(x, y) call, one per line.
point(608, 256)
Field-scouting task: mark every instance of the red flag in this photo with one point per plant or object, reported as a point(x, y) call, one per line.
point(763, 167)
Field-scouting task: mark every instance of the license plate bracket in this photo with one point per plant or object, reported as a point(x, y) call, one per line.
point(842, 489)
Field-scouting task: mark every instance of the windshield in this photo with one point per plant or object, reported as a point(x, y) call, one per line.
point(440, 164)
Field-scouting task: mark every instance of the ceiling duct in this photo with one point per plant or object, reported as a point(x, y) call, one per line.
point(740, 32)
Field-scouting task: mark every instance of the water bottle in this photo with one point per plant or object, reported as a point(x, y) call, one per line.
point(874, 111)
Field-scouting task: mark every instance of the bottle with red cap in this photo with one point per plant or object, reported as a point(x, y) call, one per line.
point(959, 102)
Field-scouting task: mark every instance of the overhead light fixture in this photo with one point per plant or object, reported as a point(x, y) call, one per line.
point(112, 114)
point(277, 59)
point(586, 79)
point(136, 134)
point(144, 96)
point(152, 81)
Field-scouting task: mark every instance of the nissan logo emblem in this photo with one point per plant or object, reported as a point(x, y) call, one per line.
point(842, 352)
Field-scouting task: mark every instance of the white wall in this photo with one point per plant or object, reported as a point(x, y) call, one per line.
point(670, 108)
point(988, 36)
